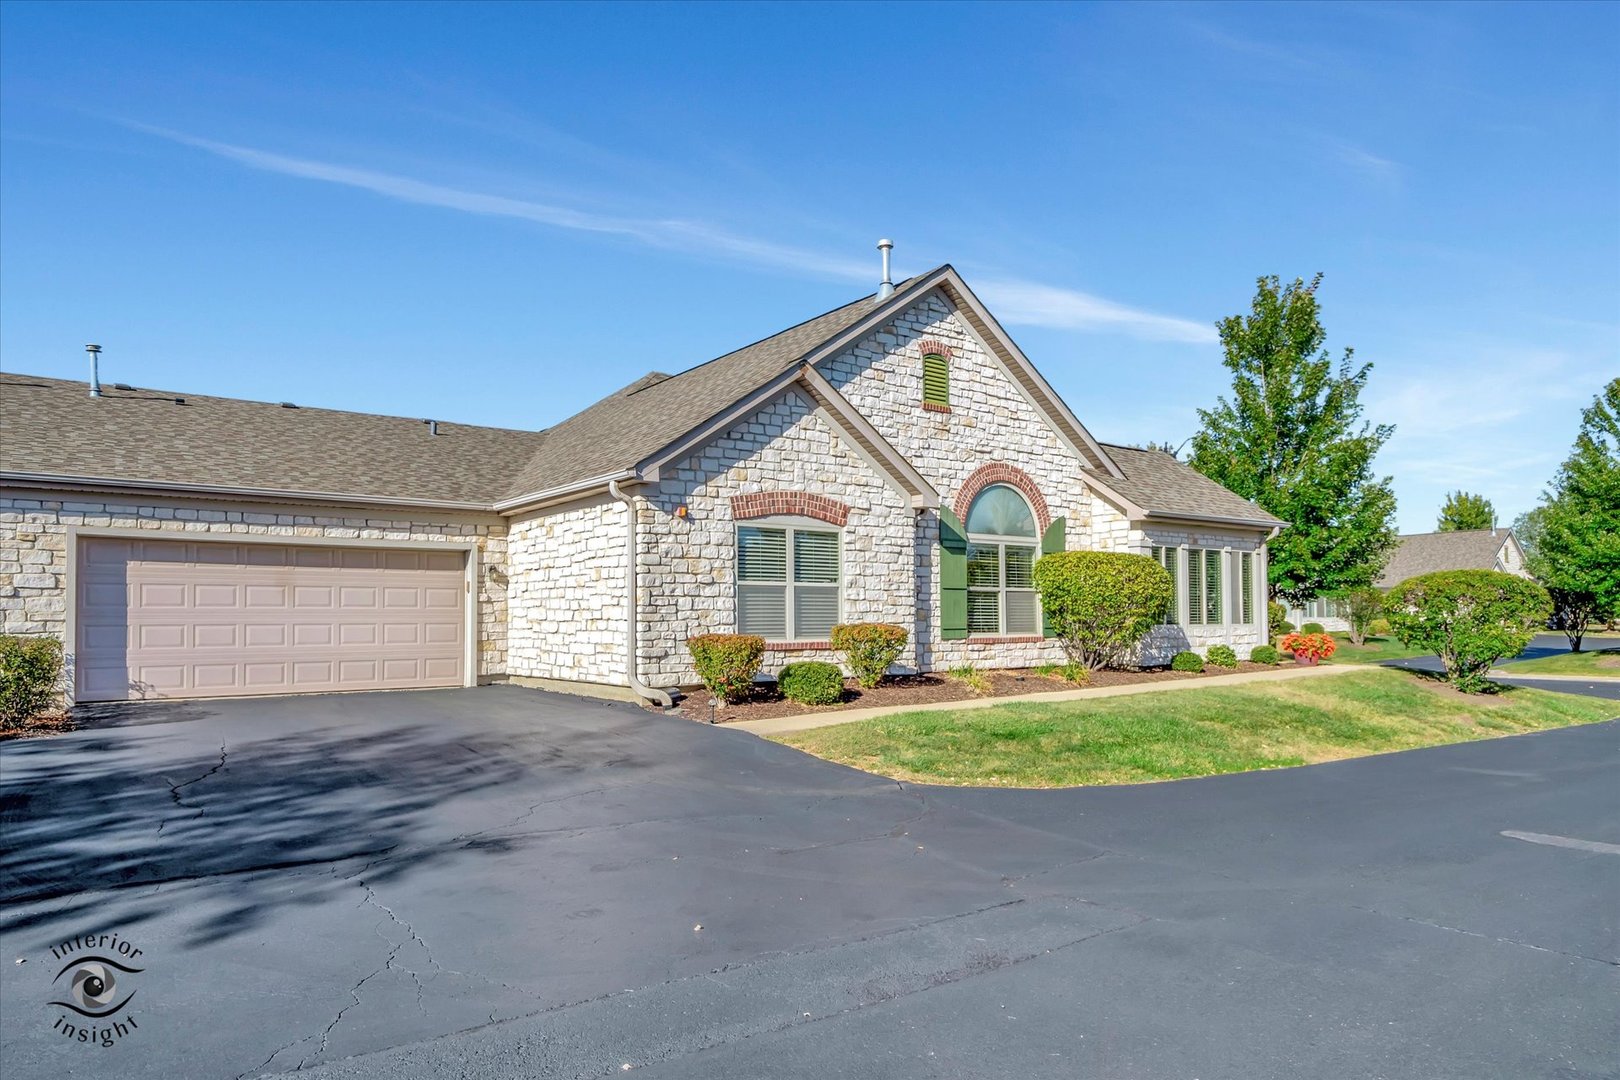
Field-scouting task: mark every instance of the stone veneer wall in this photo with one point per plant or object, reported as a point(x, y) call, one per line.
point(688, 564)
point(566, 596)
point(33, 548)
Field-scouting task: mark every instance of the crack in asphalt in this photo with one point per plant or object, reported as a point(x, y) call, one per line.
point(427, 950)
point(1485, 937)
point(174, 790)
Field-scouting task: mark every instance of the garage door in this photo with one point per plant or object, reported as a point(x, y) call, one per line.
point(167, 618)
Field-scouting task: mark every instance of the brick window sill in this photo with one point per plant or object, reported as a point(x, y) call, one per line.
point(929, 406)
point(798, 646)
point(1008, 639)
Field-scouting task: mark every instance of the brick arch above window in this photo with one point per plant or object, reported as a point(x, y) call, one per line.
point(800, 503)
point(998, 472)
point(932, 347)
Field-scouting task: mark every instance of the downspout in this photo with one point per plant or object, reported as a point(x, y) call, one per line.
point(650, 693)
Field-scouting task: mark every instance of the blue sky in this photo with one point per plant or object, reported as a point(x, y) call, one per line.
point(497, 214)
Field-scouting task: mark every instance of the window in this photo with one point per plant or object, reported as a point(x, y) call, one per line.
point(1169, 557)
point(1203, 587)
point(1001, 555)
point(782, 598)
point(1246, 573)
point(936, 381)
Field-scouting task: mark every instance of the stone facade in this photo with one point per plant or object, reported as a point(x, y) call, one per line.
point(565, 601)
point(33, 548)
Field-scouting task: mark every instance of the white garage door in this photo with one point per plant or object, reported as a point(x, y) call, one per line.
point(168, 618)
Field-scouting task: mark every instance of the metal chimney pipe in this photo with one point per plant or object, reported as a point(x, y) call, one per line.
point(886, 289)
point(95, 369)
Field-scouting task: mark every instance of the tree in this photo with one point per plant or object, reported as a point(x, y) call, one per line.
point(1167, 447)
point(1464, 510)
point(1577, 551)
point(1361, 606)
point(1291, 438)
point(1470, 619)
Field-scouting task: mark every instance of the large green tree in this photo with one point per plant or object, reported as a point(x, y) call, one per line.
point(1577, 552)
point(1292, 439)
point(1465, 510)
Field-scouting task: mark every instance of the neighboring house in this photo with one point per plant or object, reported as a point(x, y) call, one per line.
point(897, 459)
point(1423, 553)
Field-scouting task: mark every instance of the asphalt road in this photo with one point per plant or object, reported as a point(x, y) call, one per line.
point(501, 883)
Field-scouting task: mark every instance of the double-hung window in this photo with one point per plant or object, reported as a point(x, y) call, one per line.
point(1169, 557)
point(1001, 554)
point(1204, 587)
point(787, 582)
point(1246, 576)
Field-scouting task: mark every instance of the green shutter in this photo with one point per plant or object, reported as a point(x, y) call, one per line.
point(1052, 540)
point(936, 380)
point(953, 621)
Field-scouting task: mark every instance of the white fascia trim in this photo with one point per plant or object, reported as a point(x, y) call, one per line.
point(854, 427)
point(101, 483)
point(881, 313)
point(1054, 402)
point(565, 491)
point(1214, 519)
point(1131, 509)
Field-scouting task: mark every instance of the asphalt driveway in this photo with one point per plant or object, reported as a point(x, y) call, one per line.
point(503, 883)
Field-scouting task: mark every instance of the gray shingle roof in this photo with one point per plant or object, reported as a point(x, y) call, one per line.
point(1160, 484)
point(54, 426)
point(632, 424)
point(1424, 553)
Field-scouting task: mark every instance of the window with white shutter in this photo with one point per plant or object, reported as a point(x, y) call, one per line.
point(787, 582)
point(1167, 558)
point(1204, 587)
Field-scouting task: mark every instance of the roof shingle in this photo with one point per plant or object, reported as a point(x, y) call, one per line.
point(1424, 553)
point(1161, 485)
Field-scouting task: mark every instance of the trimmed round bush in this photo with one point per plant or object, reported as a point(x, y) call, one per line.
point(1187, 661)
point(811, 682)
point(1263, 654)
point(1470, 619)
point(1100, 604)
point(869, 649)
point(30, 677)
point(1313, 628)
point(1378, 628)
point(1221, 656)
point(727, 663)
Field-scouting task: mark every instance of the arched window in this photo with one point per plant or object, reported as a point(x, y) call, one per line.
point(1002, 547)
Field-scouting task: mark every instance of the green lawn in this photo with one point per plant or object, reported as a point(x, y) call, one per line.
point(1187, 733)
point(1600, 662)
point(1376, 649)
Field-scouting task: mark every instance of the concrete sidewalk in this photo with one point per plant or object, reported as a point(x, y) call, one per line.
point(778, 725)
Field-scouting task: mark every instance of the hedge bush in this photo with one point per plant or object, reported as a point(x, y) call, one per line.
point(727, 663)
point(1263, 654)
point(1470, 619)
point(811, 682)
point(1100, 604)
point(30, 677)
point(869, 649)
point(1187, 661)
point(1221, 656)
point(1277, 623)
point(1378, 628)
point(1313, 628)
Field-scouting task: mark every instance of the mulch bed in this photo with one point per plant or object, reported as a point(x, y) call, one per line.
point(52, 724)
point(765, 702)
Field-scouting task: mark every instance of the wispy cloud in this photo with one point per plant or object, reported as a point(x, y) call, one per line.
point(1020, 303)
point(1374, 167)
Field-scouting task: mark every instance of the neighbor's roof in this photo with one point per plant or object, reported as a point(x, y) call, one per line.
point(1424, 553)
point(54, 427)
point(1164, 487)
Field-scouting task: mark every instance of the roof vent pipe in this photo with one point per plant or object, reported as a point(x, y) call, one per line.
point(886, 289)
point(95, 369)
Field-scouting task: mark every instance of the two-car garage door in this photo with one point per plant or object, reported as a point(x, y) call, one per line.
point(169, 618)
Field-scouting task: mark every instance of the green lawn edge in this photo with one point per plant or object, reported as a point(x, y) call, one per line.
point(1187, 733)
point(1581, 663)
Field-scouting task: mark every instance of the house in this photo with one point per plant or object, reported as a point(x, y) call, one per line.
point(1424, 553)
point(897, 459)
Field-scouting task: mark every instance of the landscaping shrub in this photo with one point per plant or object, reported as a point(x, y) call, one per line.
point(1263, 654)
point(1221, 656)
point(869, 649)
point(1277, 623)
point(976, 680)
point(1378, 628)
point(30, 677)
point(727, 663)
point(1310, 646)
point(1470, 619)
point(1187, 661)
point(811, 682)
point(1313, 628)
point(1074, 673)
point(1101, 603)
point(1361, 609)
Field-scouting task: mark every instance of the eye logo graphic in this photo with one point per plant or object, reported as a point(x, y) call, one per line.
point(94, 986)
point(96, 983)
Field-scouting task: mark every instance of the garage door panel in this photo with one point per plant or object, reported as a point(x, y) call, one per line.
point(194, 618)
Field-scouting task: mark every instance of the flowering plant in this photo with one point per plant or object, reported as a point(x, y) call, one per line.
point(1313, 647)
